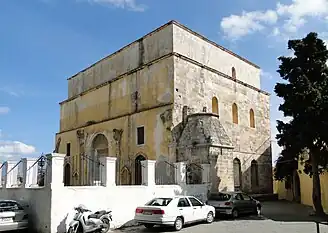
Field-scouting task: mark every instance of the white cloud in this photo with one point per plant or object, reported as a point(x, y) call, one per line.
point(10, 149)
point(14, 149)
point(4, 110)
point(276, 31)
point(236, 26)
point(298, 10)
point(124, 4)
point(293, 16)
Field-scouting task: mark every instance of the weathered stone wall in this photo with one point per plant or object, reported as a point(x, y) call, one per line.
point(147, 49)
point(221, 169)
point(200, 49)
point(195, 86)
point(141, 90)
point(169, 38)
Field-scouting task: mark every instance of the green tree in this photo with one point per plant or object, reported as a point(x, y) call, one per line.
point(304, 91)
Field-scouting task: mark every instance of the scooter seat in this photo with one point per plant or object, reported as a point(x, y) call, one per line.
point(97, 214)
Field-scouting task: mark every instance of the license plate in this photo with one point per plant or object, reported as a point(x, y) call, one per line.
point(6, 219)
point(147, 212)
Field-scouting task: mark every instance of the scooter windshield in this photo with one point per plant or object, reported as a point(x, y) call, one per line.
point(77, 216)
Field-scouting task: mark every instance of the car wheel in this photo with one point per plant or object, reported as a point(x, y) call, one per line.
point(210, 217)
point(178, 224)
point(258, 210)
point(149, 225)
point(235, 213)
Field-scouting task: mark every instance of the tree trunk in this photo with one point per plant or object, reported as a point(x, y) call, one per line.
point(316, 190)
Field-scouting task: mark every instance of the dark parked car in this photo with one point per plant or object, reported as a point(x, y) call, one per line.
point(234, 203)
point(12, 216)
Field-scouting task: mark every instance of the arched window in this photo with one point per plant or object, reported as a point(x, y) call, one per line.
point(125, 176)
point(99, 149)
point(233, 72)
point(237, 174)
point(215, 105)
point(251, 118)
point(234, 113)
point(254, 176)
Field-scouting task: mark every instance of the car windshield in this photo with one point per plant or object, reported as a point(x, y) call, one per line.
point(159, 202)
point(220, 197)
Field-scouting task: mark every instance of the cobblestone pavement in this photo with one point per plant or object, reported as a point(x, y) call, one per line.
point(278, 217)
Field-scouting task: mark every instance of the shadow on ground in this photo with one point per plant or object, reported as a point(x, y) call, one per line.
point(281, 211)
point(277, 211)
point(285, 211)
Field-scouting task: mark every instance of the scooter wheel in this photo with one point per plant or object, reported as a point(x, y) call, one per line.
point(107, 223)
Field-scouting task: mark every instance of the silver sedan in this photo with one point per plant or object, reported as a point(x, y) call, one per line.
point(12, 216)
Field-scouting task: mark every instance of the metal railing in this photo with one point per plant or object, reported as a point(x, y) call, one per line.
point(95, 170)
point(14, 177)
point(165, 173)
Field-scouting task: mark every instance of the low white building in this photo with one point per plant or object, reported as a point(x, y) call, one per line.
point(51, 206)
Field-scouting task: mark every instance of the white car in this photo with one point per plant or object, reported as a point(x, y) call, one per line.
point(174, 211)
point(12, 216)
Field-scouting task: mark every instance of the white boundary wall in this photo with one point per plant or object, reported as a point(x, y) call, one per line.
point(51, 207)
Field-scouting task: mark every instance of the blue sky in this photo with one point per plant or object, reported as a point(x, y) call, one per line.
point(43, 42)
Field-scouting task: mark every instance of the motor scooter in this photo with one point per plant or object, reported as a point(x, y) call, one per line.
point(85, 221)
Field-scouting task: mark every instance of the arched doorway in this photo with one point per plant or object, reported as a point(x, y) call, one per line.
point(297, 187)
point(67, 174)
point(237, 174)
point(254, 176)
point(138, 170)
point(99, 149)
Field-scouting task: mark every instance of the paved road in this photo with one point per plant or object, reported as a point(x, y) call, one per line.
point(278, 217)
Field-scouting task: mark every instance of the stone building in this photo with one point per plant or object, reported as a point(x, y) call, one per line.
point(170, 96)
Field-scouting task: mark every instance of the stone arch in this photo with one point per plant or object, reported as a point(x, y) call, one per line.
point(90, 138)
point(233, 72)
point(193, 173)
point(67, 174)
point(237, 174)
point(99, 148)
point(234, 113)
point(215, 105)
point(138, 169)
point(251, 118)
point(125, 176)
point(254, 176)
